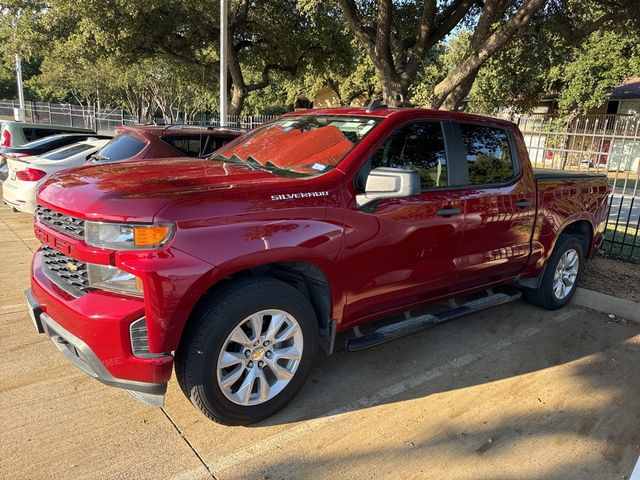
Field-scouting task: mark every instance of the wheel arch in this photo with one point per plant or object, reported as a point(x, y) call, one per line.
point(583, 230)
point(306, 277)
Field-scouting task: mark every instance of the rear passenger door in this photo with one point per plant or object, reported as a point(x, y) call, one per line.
point(499, 205)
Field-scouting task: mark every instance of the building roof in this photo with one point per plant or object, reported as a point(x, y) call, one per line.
point(630, 89)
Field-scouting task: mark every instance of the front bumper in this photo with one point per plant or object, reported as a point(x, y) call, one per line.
point(97, 343)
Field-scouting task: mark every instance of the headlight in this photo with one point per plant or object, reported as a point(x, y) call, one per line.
point(112, 279)
point(122, 236)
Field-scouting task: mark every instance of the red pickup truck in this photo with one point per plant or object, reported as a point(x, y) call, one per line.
point(237, 267)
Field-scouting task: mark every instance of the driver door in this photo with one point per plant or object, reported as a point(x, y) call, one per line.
point(401, 252)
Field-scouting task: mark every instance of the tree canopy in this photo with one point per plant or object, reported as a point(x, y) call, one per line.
point(158, 57)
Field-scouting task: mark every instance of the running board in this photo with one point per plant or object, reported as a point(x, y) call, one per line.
point(423, 322)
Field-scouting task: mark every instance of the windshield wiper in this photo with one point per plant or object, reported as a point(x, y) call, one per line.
point(253, 164)
point(99, 158)
point(234, 159)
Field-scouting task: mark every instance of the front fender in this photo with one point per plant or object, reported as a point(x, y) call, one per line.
point(242, 245)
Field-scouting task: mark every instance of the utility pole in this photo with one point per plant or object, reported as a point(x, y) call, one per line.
point(20, 113)
point(224, 9)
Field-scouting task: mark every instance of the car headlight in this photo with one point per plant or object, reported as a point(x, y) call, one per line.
point(123, 236)
point(112, 279)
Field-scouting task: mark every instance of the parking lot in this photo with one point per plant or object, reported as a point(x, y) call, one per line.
point(512, 393)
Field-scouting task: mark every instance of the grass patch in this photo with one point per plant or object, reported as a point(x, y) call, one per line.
point(619, 242)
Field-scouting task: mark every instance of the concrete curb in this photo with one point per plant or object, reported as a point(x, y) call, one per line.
point(604, 303)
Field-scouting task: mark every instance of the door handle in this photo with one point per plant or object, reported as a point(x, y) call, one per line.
point(448, 212)
point(523, 203)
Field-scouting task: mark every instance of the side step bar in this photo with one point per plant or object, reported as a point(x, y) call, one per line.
point(423, 322)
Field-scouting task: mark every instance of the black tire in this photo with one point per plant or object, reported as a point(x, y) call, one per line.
point(544, 296)
point(196, 358)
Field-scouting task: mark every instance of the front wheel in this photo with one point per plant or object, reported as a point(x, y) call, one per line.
point(249, 352)
point(561, 275)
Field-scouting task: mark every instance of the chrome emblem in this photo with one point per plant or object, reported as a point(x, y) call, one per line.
point(291, 196)
point(72, 267)
point(257, 354)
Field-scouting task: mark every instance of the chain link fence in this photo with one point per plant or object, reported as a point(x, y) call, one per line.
point(608, 144)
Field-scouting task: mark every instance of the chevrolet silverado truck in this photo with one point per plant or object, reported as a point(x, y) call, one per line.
point(237, 267)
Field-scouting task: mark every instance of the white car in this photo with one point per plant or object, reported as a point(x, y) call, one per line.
point(25, 174)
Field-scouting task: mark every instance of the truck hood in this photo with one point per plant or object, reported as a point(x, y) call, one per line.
point(136, 191)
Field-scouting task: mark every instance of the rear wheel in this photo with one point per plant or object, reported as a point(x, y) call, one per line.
point(250, 351)
point(561, 275)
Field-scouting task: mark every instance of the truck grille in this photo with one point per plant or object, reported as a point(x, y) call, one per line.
point(67, 273)
point(61, 222)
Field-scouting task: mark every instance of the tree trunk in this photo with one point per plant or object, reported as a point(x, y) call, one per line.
point(456, 98)
point(398, 60)
point(238, 96)
point(393, 94)
point(238, 86)
point(484, 49)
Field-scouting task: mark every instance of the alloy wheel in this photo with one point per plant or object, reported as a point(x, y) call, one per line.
point(260, 357)
point(564, 277)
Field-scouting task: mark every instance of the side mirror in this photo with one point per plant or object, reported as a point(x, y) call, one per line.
point(389, 183)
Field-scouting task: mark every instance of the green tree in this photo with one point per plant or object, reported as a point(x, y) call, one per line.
point(265, 37)
point(601, 63)
point(398, 36)
point(579, 49)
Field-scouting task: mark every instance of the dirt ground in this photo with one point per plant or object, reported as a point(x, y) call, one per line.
point(513, 393)
point(613, 277)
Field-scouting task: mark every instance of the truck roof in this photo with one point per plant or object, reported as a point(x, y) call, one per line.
point(384, 111)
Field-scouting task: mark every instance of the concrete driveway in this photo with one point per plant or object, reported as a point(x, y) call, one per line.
point(513, 393)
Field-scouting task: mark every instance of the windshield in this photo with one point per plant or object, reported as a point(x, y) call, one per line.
point(299, 146)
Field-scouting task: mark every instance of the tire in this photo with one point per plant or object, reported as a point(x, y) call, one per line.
point(210, 341)
point(545, 296)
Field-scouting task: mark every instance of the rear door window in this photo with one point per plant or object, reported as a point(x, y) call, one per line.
point(121, 148)
point(488, 154)
point(66, 152)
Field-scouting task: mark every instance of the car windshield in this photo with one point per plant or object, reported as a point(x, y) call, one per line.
point(298, 146)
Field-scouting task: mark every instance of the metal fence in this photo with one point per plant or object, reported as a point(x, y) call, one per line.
point(597, 143)
point(608, 144)
point(107, 119)
point(103, 121)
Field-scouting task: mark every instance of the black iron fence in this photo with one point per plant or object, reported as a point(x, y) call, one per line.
point(107, 119)
point(607, 144)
